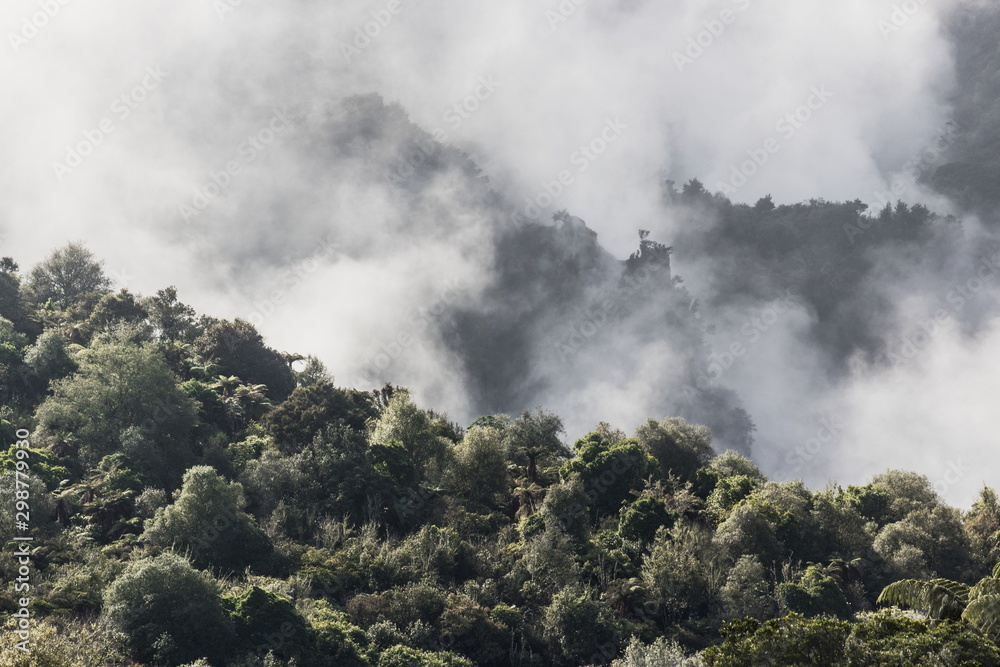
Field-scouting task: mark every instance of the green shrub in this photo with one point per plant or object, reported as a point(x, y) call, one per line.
point(170, 612)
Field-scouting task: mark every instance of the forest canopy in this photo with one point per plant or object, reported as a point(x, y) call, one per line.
point(199, 498)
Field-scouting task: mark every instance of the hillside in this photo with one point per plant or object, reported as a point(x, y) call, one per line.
point(194, 494)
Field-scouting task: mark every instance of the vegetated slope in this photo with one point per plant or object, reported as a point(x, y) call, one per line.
point(553, 305)
point(852, 268)
point(181, 512)
point(971, 170)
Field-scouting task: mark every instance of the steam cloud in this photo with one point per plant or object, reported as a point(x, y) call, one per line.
point(212, 163)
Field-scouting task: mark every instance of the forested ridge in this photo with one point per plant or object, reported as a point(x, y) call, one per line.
point(455, 424)
point(197, 497)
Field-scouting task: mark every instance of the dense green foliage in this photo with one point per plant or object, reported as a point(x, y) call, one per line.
point(186, 510)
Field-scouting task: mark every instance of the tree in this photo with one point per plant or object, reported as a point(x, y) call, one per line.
point(905, 492)
point(746, 592)
point(927, 542)
point(238, 349)
point(732, 464)
point(106, 498)
point(13, 372)
point(841, 530)
point(310, 409)
point(171, 319)
point(12, 305)
point(549, 563)
point(678, 447)
point(313, 372)
point(579, 629)
point(479, 472)
point(122, 390)
point(788, 506)
point(121, 309)
point(69, 275)
point(764, 204)
point(982, 524)
point(170, 612)
point(727, 493)
point(40, 503)
point(207, 519)
point(242, 402)
point(534, 439)
point(610, 472)
point(474, 633)
point(641, 519)
point(565, 509)
point(750, 529)
point(420, 433)
point(938, 598)
point(338, 473)
point(49, 359)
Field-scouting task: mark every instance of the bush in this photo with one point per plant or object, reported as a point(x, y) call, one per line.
point(339, 642)
point(816, 594)
point(661, 653)
point(402, 606)
point(170, 612)
point(641, 519)
point(73, 644)
point(437, 554)
point(890, 639)
point(578, 628)
point(264, 622)
point(207, 519)
point(401, 656)
point(792, 640)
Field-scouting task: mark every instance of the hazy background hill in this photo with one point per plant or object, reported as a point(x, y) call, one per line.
point(380, 213)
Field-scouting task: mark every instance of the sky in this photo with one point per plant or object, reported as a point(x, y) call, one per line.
point(175, 137)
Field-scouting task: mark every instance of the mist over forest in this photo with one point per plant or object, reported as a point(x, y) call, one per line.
point(472, 257)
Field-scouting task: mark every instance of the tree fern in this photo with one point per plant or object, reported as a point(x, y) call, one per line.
point(986, 586)
point(984, 614)
point(938, 598)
